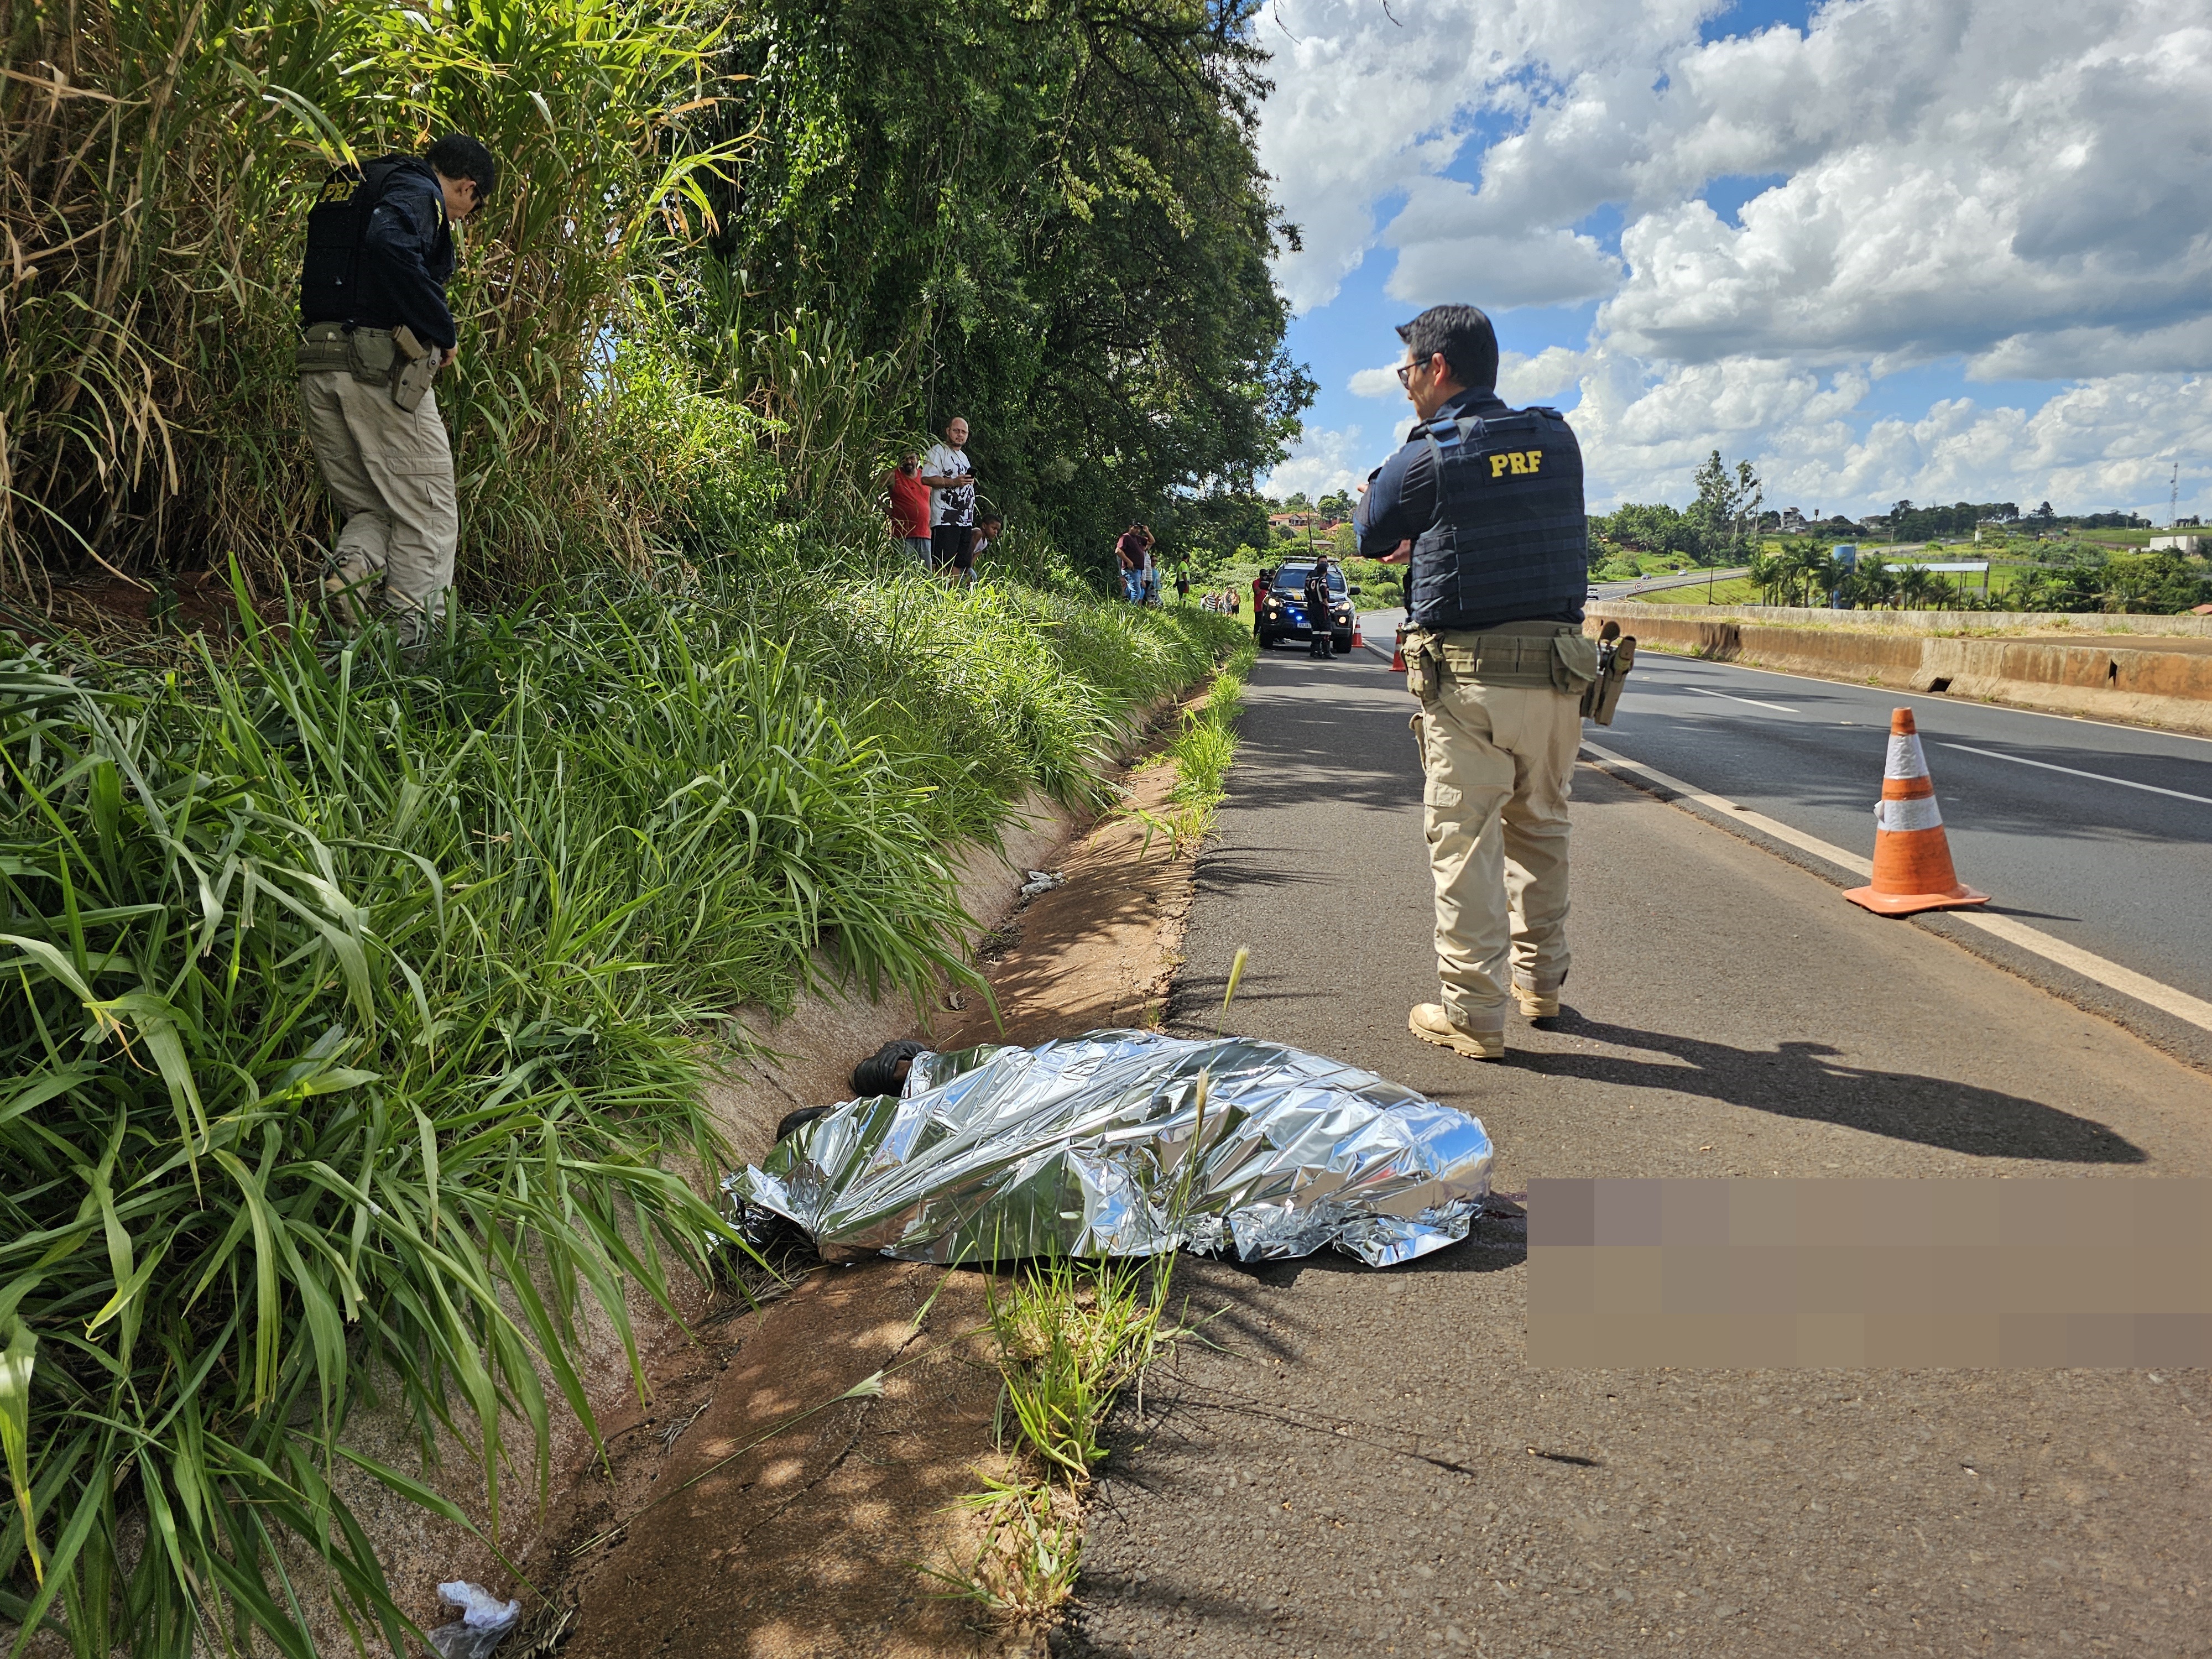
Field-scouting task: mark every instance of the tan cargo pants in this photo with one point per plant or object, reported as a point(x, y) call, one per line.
point(391, 472)
point(1500, 764)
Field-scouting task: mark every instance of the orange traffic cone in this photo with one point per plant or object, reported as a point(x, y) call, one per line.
point(1398, 651)
point(1358, 638)
point(1911, 855)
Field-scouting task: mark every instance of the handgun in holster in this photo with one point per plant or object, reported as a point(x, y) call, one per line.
point(414, 367)
point(1616, 655)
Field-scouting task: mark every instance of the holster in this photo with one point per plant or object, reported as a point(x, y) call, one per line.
point(413, 370)
point(1615, 658)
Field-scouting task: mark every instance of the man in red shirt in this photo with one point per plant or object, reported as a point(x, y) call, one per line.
point(1261, 584)
point(910, 505)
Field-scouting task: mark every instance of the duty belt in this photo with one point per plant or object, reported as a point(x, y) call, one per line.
point(1540, 654)
point(332, 346)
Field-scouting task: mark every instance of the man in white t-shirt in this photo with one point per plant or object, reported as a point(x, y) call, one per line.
point(952, 481)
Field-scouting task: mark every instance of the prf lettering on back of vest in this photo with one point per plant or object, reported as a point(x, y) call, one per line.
point(1518, 462)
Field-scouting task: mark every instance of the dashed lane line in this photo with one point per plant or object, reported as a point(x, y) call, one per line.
point(2180, 1004)
point(2076, 771)
point(1732, 697)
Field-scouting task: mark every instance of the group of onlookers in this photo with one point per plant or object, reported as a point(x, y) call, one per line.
point(933, 507)
point(1140, 571)
point(1223, 602)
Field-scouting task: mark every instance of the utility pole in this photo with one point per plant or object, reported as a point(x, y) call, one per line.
point(2173, 497)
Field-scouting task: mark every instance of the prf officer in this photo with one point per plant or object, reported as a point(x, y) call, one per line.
point(380, 250)
point(1486, 503)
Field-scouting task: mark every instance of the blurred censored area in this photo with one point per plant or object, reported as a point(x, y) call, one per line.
point(1768, 1273)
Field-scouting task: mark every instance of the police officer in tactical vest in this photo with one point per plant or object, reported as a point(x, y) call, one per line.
point(1487, 502)
point(380, 250)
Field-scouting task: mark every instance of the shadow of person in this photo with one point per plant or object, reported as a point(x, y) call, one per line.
point(1801, 1080)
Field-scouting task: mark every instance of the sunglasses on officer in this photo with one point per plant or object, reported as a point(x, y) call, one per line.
point(1406, 369)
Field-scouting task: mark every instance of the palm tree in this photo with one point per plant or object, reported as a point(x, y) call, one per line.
point(1914, 584)
point(1765, 572)
point(1813, 567)
point(1876, 583)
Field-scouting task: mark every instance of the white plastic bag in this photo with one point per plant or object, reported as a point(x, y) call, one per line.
point(484, 1621)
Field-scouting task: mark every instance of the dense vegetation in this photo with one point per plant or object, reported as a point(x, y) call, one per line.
point(854, 220)
point(2073, 576)
point(356, 1008)
point(1046, 218)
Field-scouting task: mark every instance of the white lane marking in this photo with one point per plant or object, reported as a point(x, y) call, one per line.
point(2076, 771)
point(2193, 1010)
point(1759, 821)
point(1660, 653)
point(1732, 697)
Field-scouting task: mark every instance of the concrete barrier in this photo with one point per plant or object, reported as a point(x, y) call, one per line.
point(2160, 677)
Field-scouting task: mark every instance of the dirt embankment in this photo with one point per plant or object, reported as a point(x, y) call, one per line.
point(724, 1526)
point(2138, 680)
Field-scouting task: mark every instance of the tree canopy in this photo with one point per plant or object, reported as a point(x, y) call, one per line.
point(1052, 221)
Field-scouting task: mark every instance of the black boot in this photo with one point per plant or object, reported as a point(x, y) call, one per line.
point(882, 1071)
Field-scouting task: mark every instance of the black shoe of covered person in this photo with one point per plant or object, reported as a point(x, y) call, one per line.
point(885, 1071)
point(794, 1121)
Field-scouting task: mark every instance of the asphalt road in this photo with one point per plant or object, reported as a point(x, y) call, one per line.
point(2099, 835)
point(1347, 1461)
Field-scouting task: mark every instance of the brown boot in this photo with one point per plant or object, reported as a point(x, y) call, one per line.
point(1432, 1022)
point(1537, 1005)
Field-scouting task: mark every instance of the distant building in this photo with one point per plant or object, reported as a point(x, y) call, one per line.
point(1794, 523)
point(2174, 543)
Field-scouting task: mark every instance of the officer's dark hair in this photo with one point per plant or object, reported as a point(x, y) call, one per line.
point(1463, 335)
point(460, 156)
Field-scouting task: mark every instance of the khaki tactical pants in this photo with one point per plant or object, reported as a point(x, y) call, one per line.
point(1500, 762)
point(391, 472)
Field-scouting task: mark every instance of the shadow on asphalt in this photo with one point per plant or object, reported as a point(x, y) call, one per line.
point(1357, 751)
point(1799, 1080)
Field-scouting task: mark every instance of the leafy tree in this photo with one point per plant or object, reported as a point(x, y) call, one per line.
point(1051, 219)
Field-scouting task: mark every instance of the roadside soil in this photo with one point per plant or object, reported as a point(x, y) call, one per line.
point(722, 1526)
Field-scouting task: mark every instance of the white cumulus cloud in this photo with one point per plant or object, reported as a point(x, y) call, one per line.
point(1320, 463)
point(2017, 189)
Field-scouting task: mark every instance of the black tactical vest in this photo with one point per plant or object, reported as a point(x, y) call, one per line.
point(338, 227)
point(1511, 543)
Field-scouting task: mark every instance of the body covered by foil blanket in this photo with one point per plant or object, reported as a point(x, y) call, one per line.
point(1084, 1147)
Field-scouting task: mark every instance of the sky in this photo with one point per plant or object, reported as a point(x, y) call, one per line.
point(1934, 250)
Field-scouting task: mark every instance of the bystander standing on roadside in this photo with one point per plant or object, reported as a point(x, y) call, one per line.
point(1261, 584)
point(1182, 586)
point(952, 481)
point(1151, 566)
point(1495, 654)
point(375, 332)
point(1130, 555)
point(909, 506)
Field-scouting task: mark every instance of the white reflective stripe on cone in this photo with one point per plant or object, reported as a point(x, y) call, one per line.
point(1905, 758)
point(1899, 816)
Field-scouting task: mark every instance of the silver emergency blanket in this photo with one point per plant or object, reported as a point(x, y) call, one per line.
point(1127, 1143)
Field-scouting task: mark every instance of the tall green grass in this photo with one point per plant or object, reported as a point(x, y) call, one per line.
point(352, 1015)
point(157, 160)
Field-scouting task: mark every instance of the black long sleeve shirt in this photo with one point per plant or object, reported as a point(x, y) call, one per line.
point(407, 258)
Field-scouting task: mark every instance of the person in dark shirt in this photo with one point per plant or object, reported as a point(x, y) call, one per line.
point(372, 302)
point(1320, 603)
point(1487, 501)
